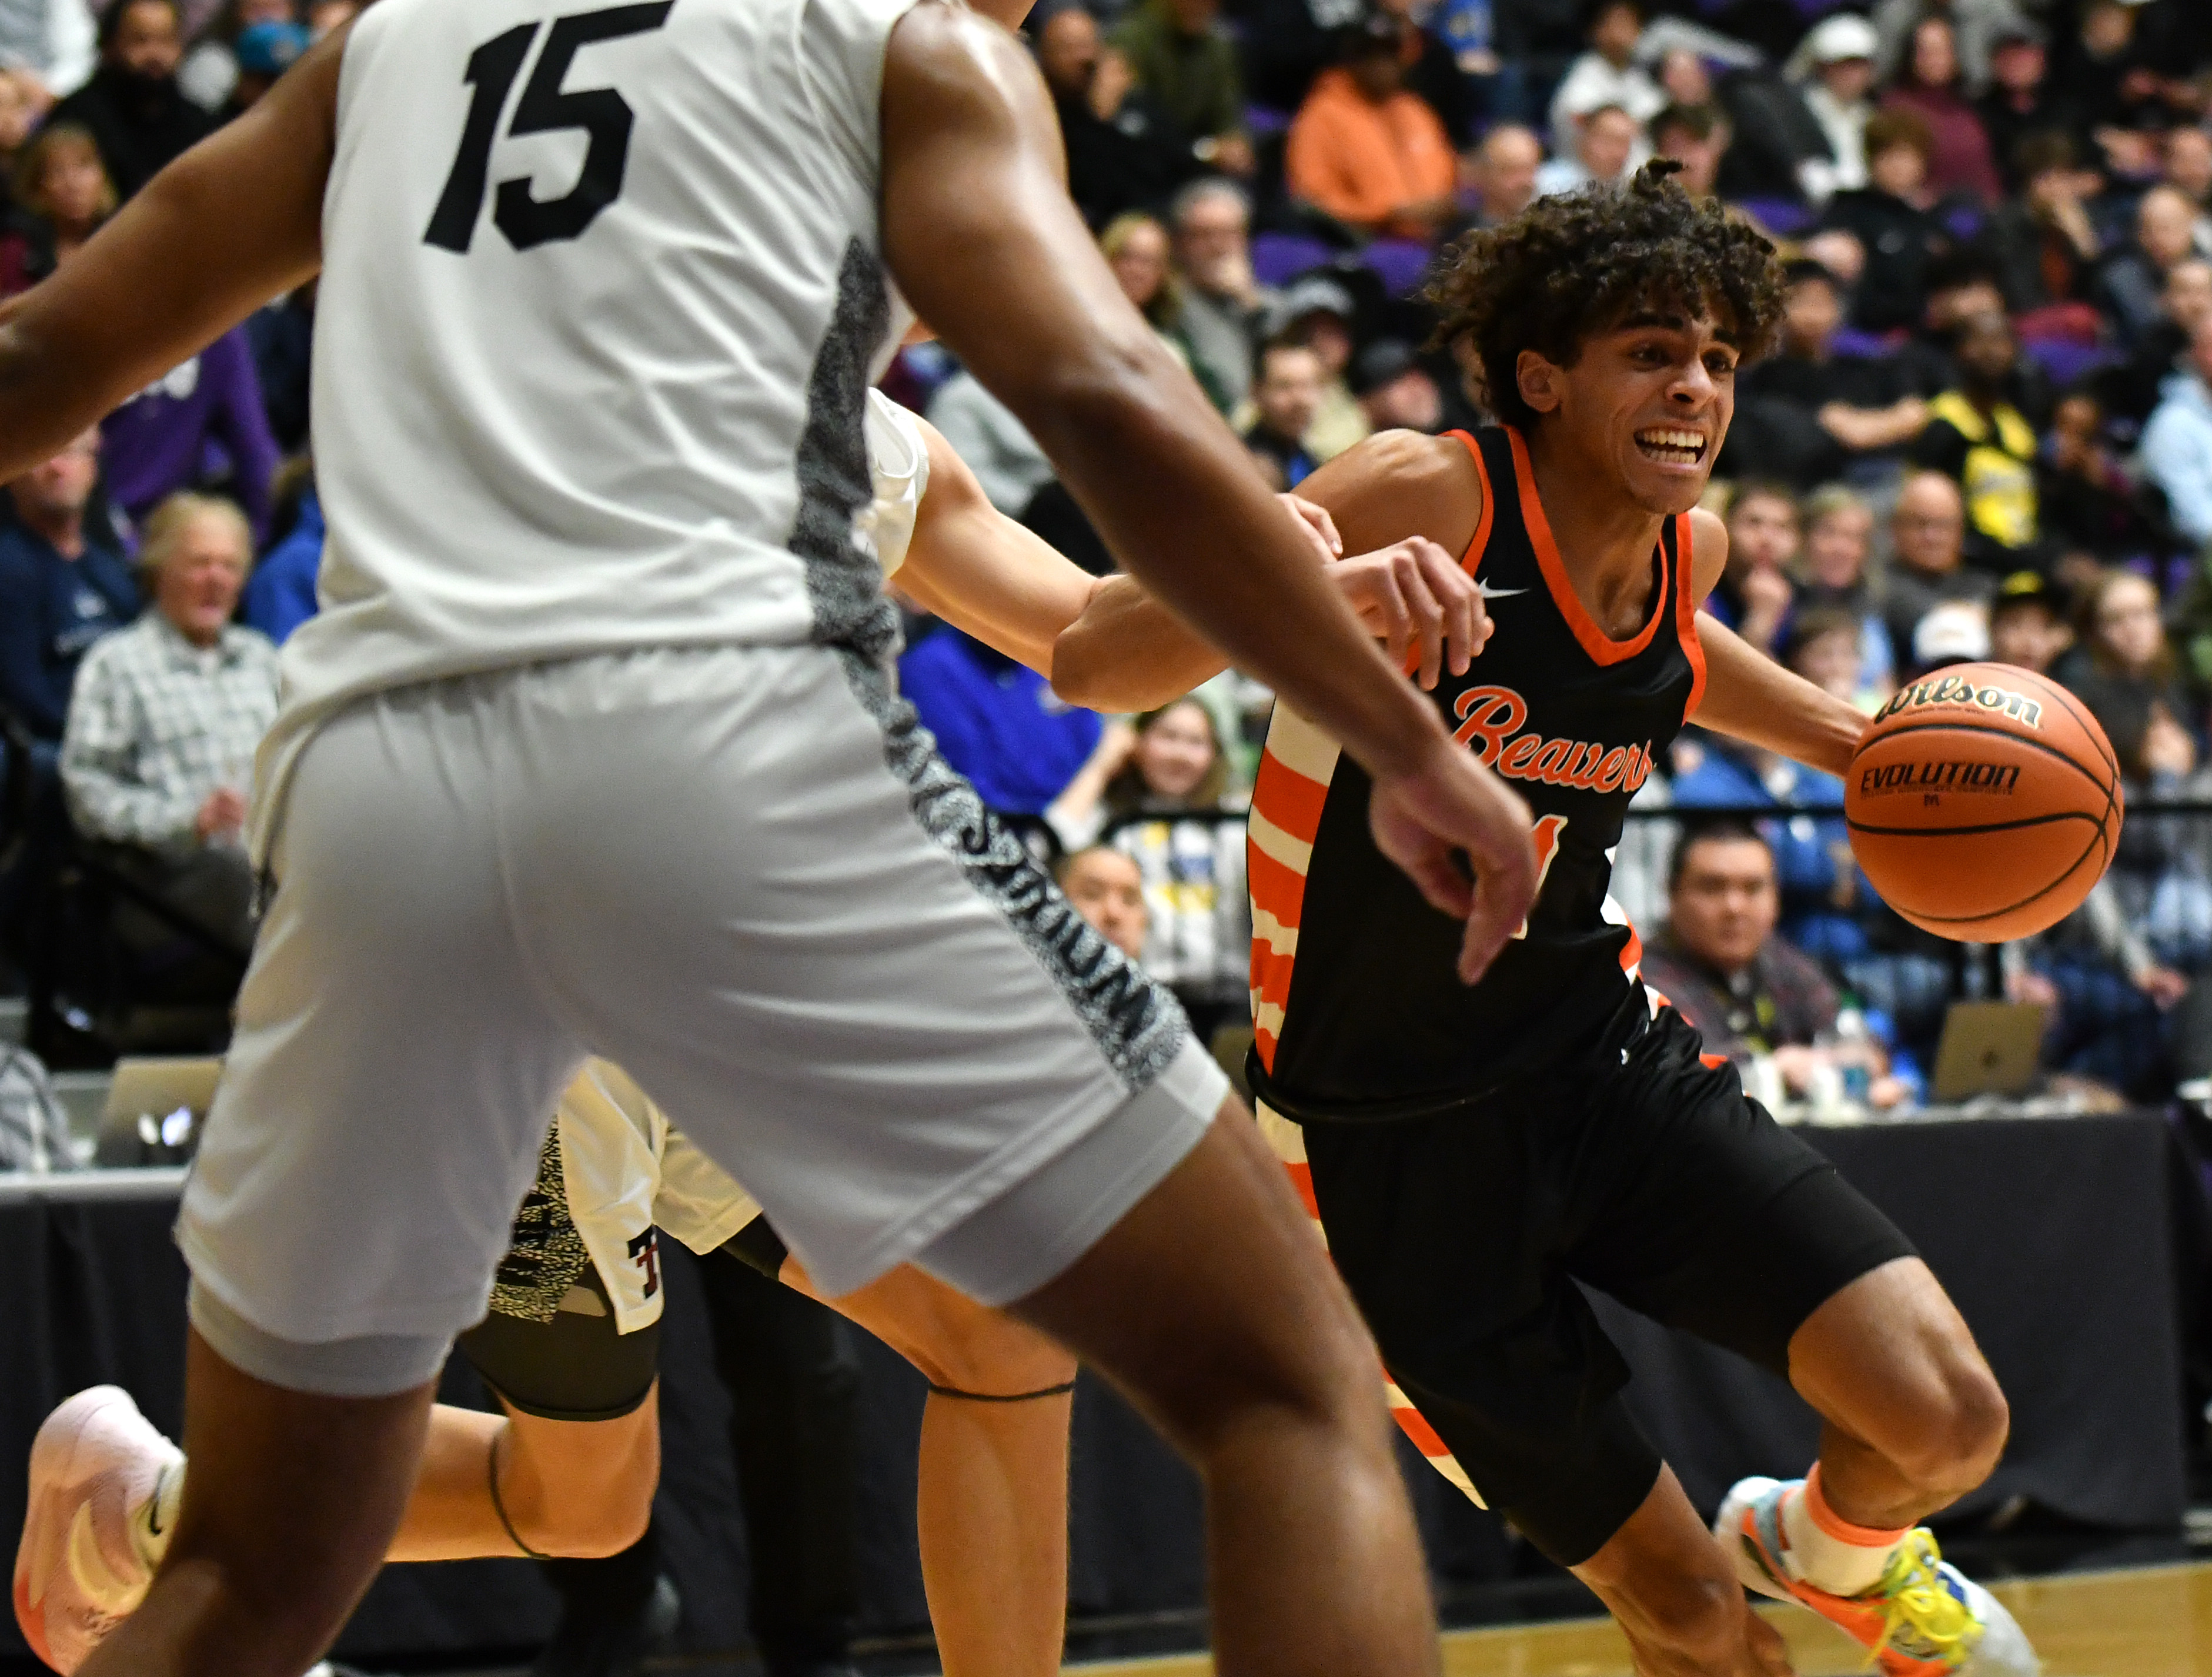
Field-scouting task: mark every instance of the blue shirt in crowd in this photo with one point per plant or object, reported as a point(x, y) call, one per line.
point(52, 610)
point(280, 595)
point(998, 722)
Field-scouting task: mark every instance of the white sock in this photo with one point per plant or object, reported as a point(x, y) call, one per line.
point(1830, 1552)
point(155, 1521)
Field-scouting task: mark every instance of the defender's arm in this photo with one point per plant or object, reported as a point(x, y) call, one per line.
point(980, 232)
point(1748, 695)
point(979, 570)
point(235, 220)
point(1129, 652)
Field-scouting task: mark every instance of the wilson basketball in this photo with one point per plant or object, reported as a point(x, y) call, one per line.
point(1983, 802)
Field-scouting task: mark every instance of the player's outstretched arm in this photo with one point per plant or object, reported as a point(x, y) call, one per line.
point(1129, 653)
point(982, 572)
point(1748, 695)
point(983, 240)
point(235, 220)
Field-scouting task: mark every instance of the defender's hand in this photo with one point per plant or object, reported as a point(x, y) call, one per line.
point(1426, 817)
point(1412, 598)
point(1315, 525)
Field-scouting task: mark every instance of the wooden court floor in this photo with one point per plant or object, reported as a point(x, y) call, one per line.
point(2149, 1622)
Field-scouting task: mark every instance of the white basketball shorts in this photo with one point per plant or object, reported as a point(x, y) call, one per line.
point(743, 875)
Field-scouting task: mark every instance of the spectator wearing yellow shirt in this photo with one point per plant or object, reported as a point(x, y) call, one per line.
point(1979, 438)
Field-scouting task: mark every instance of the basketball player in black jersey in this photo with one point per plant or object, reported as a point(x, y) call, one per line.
point(1472, 1153)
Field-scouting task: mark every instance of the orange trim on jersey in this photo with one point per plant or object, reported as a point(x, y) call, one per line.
point(1471, 561)
point(1632, 952)
point(1418, 1431)
point(1712, 1062)
point(1686, 614)
point(1288, 799)
point(1280, 891)
point(1601, 647)
point(1302, 1185)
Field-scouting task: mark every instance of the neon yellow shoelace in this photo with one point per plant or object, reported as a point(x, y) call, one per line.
point(1920, 1616)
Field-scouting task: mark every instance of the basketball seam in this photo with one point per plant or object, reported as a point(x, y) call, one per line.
point(2015, 908)
point(2090, 726)
point(2094, 820)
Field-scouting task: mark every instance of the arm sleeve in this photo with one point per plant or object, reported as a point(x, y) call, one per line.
point(99, 749)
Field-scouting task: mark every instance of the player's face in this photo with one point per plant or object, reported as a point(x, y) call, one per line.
point(1647, 402)
point(1724, 907)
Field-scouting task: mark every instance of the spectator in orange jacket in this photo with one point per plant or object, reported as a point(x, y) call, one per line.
point(1368, 152)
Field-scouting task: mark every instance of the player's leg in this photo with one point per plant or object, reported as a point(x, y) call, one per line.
point(1452, 1233)
point(991, 1498)
point(1719, 1221)
point(390, 1044)
point(1261, 1376)
point(910, 1048)
point(1676, 1598)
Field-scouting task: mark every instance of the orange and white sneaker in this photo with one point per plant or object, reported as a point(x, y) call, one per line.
point(81, 1568)
point(1925, 1618)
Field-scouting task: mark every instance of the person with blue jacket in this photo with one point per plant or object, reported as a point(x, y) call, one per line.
point(280, 595)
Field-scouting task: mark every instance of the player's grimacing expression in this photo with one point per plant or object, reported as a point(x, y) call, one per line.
point(1648, 401)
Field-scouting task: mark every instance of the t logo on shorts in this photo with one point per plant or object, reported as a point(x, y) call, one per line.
point(645, 1253)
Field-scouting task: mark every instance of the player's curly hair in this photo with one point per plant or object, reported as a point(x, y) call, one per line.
point(1571, 266)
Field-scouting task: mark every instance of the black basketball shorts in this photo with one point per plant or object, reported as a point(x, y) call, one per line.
point(1640, 1169)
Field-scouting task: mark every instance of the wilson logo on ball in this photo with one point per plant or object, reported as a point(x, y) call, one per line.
point(1996, 778)
point(1951, 691)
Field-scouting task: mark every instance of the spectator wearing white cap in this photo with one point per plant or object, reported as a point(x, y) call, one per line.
point(1835, 63)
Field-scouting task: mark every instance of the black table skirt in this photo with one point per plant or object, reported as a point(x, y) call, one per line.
point(2054, 1238)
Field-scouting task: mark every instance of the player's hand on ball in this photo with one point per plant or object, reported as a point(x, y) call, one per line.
point(1423, 818)
point(1412, 597)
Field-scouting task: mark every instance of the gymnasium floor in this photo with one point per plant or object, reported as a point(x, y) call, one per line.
point(2148, 1622)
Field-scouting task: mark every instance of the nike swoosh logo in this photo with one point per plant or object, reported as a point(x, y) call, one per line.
point(1489, 592)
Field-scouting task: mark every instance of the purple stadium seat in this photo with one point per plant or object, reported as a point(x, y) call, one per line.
point(2065, 360)
point(1870, 346)
point(1783, 217)
point(1399, 263)
point(1279, 257)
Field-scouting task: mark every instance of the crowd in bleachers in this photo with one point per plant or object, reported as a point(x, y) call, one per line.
point(1987, 431)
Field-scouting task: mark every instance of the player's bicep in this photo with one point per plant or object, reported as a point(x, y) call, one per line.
point(235, 220)
point(1708, 552)
point(1398, 485)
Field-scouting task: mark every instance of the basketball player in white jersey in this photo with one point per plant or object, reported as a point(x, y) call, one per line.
point(595, 749)
point(571, 1344)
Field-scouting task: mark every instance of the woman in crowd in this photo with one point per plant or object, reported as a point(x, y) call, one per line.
point(1930, 84)
point(65, 194)
point(1137, 249)
point(1163, 806)
point(2110, 969)
point(1832, 573)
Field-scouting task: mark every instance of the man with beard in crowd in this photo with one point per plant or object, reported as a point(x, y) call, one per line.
point(138, 116)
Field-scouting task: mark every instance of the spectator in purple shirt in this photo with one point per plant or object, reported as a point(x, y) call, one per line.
point(158, 442)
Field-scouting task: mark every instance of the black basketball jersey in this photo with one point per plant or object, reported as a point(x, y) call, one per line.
point(1357, 1010)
